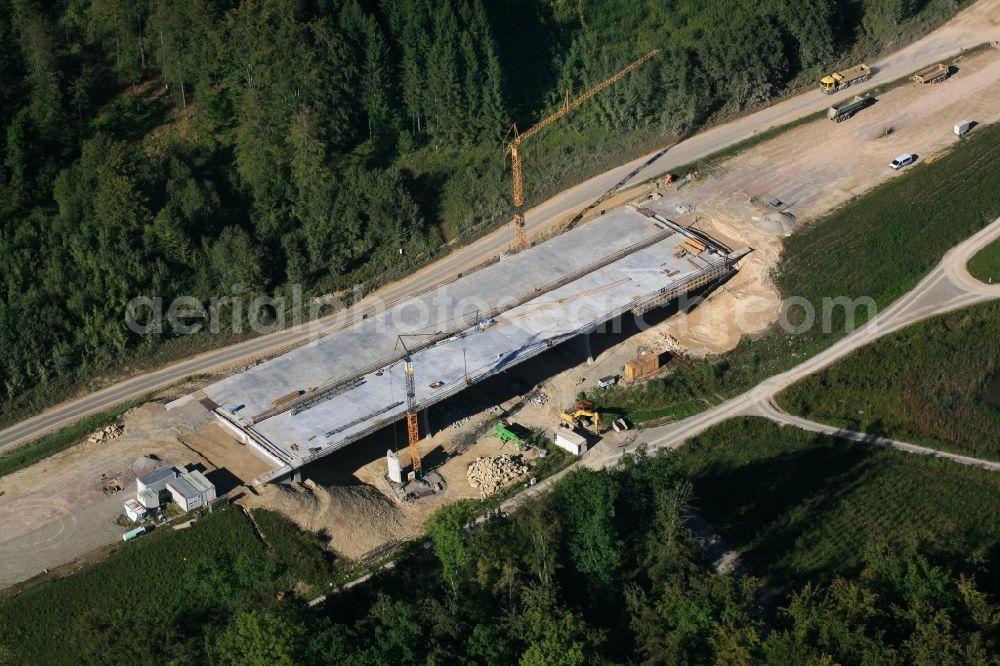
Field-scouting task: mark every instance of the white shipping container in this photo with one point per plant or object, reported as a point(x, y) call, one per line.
point(963, 127)
point(571, 441)
point(134, 511)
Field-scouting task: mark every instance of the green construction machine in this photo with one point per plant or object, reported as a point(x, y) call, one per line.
point(501, 430)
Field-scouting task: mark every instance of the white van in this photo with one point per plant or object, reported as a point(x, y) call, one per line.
point(906, 159)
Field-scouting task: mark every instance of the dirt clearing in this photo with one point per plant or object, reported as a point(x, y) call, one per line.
point(806, 173)
point(69, 503)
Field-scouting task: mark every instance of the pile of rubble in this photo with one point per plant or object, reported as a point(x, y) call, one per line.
point(103, 435)
point(490, 475)
point(537, 398)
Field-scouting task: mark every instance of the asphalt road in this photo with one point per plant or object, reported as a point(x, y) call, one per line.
point(963, 32)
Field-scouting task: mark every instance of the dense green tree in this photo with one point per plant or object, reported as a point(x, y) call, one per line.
point(586, 505)
point(554, 635)
point(375, 78)
point(261, 639)
point(118, 28)
point(443, 83)
point(446, 527)
point(181, 35)
point(39, 54)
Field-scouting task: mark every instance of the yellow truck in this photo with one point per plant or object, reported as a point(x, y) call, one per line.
point(848, 77)
point(933, 74)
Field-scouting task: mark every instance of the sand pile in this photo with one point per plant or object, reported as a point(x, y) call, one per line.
point(355, 518)
point(781, 224)
point(490, 475)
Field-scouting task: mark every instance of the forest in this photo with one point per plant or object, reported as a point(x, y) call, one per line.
point(603, 569)
point(181, 147)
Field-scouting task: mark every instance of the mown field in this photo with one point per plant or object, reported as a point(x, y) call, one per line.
point(985, 265)
point(801, 506)
point(164, 589)
point(935, 383)
point(878, 246)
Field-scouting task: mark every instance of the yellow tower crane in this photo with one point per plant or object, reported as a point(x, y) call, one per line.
point(513, 146)
point(412, 427)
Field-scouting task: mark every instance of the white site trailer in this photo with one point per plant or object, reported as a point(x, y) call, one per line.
point(573, 442)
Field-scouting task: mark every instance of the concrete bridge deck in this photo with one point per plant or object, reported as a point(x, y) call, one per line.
point(633, 255)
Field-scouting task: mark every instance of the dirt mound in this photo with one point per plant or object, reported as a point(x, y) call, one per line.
point(355, 518)
point(781, 224)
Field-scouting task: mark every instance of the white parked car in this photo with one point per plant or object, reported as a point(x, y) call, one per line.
point(906, 159)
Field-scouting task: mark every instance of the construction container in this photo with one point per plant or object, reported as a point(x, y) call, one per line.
point(200, 483)
point(646, 364)
point(134, 534)
point(134, 511)
point(570, 441)
point(156, 480)
point(962, 127)
point(151, 489)
point(184, 494)
point(605, 382)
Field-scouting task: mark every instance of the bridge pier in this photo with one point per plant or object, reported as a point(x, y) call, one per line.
point(425, 423)
point(586, 347)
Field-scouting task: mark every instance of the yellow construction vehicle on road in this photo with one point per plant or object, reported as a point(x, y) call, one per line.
point(840, 80)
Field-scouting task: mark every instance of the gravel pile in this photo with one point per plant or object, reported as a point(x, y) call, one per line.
point(490, 475)
point(103, 435)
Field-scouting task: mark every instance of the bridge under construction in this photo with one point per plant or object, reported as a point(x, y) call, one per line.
point(322, 396)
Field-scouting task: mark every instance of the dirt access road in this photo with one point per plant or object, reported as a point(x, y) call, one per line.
point(948, 287)
point(978, 23)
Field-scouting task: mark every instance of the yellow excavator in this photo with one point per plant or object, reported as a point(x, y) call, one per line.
point(584, 408)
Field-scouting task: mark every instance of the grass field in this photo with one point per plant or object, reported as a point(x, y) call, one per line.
point(935, 383)
point(878, 246)
point(800, 506)
point(146, 601)
point(985, 266)
point(29, 454)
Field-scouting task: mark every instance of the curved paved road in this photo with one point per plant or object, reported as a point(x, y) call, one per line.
point(971, 27)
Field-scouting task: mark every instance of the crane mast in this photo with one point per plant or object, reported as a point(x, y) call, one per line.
point(412, 429)
point(513, 146)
